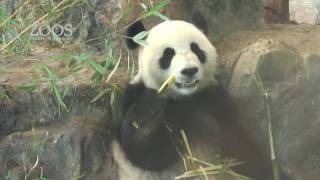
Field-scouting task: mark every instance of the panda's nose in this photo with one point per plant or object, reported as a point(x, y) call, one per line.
point(189, 72)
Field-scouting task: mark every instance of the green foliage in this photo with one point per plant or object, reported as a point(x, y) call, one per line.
point(27, 87)
point(110, 60)
point(155, 10)
point(16, 36)
point(9, 29)
point(139, 38)
point(86, 58)
point(99, 69)
point(51, 76)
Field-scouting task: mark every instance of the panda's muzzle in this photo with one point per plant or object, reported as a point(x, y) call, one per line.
point(186, 85)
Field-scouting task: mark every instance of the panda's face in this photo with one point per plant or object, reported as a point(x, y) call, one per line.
point(177, 48)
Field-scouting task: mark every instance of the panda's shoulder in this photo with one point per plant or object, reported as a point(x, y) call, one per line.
point(132, 92)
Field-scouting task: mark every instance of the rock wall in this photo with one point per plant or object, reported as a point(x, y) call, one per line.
point(74, 144)
point(293, 82)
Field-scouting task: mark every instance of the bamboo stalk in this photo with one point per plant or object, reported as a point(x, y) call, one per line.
point(275, 165)
point(267, 103)
point(167, 83)
point(185, 140)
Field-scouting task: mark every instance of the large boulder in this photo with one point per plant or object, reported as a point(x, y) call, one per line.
point(293, 82)
point(72, 150)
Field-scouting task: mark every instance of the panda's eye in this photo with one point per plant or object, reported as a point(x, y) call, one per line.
point(166, 58)
point(199, 52)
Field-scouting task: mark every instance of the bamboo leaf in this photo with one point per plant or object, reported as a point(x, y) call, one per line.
point(101, 94)
point(58, 94)
point(86, 59)
point(163, 17)
point(114, 69)
point(143, 6)
point(27, 87)
point(139, 38)
point(157, 8)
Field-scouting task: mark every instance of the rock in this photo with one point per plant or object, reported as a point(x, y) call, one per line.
point(244, 14)
point(293, 82)
point(304, 11)
point(76, 149)
point(21, 110)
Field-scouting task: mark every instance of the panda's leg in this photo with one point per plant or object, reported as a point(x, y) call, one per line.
point(126, 170)
point(142, 133)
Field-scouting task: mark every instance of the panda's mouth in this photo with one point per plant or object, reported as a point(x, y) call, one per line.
point(187, 85)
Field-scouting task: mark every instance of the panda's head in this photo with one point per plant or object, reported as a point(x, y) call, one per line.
point(175, 48)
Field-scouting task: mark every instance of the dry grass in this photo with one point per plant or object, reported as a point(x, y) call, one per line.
point(199, 168)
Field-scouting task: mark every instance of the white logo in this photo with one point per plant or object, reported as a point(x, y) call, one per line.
point(47, 32)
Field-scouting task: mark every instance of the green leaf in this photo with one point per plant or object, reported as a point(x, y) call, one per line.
point(163, 17)
point(114, 70)
point(157, 8)
point(62, 57)
point(66, 89)
point(27, 88)
point(96, 66)
point(86, 59)
point(110, 63)
point(97, 77)
point(52, 75)
point(139, 38)
point(101, 94)
point(58, 94)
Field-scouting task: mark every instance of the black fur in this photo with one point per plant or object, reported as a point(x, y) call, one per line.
point(199, 21)
point(166, 58)
point(131, 94)
point(145, 137)
point(133, 30)
point(198, 52)
point(143, 134)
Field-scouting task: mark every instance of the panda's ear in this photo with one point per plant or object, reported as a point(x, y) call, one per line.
point(133, 30)
point(199, 21)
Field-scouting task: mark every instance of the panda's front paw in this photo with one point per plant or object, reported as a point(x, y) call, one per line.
point(144, 135)
point(147, 112)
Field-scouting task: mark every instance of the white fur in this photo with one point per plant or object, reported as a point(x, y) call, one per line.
point(127, 171)
point(177, 35)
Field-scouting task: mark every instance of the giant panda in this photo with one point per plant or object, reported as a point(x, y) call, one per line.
point(148, 143)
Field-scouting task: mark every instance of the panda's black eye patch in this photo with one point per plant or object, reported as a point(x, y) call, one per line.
point(199, 52)
point(166, 58)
